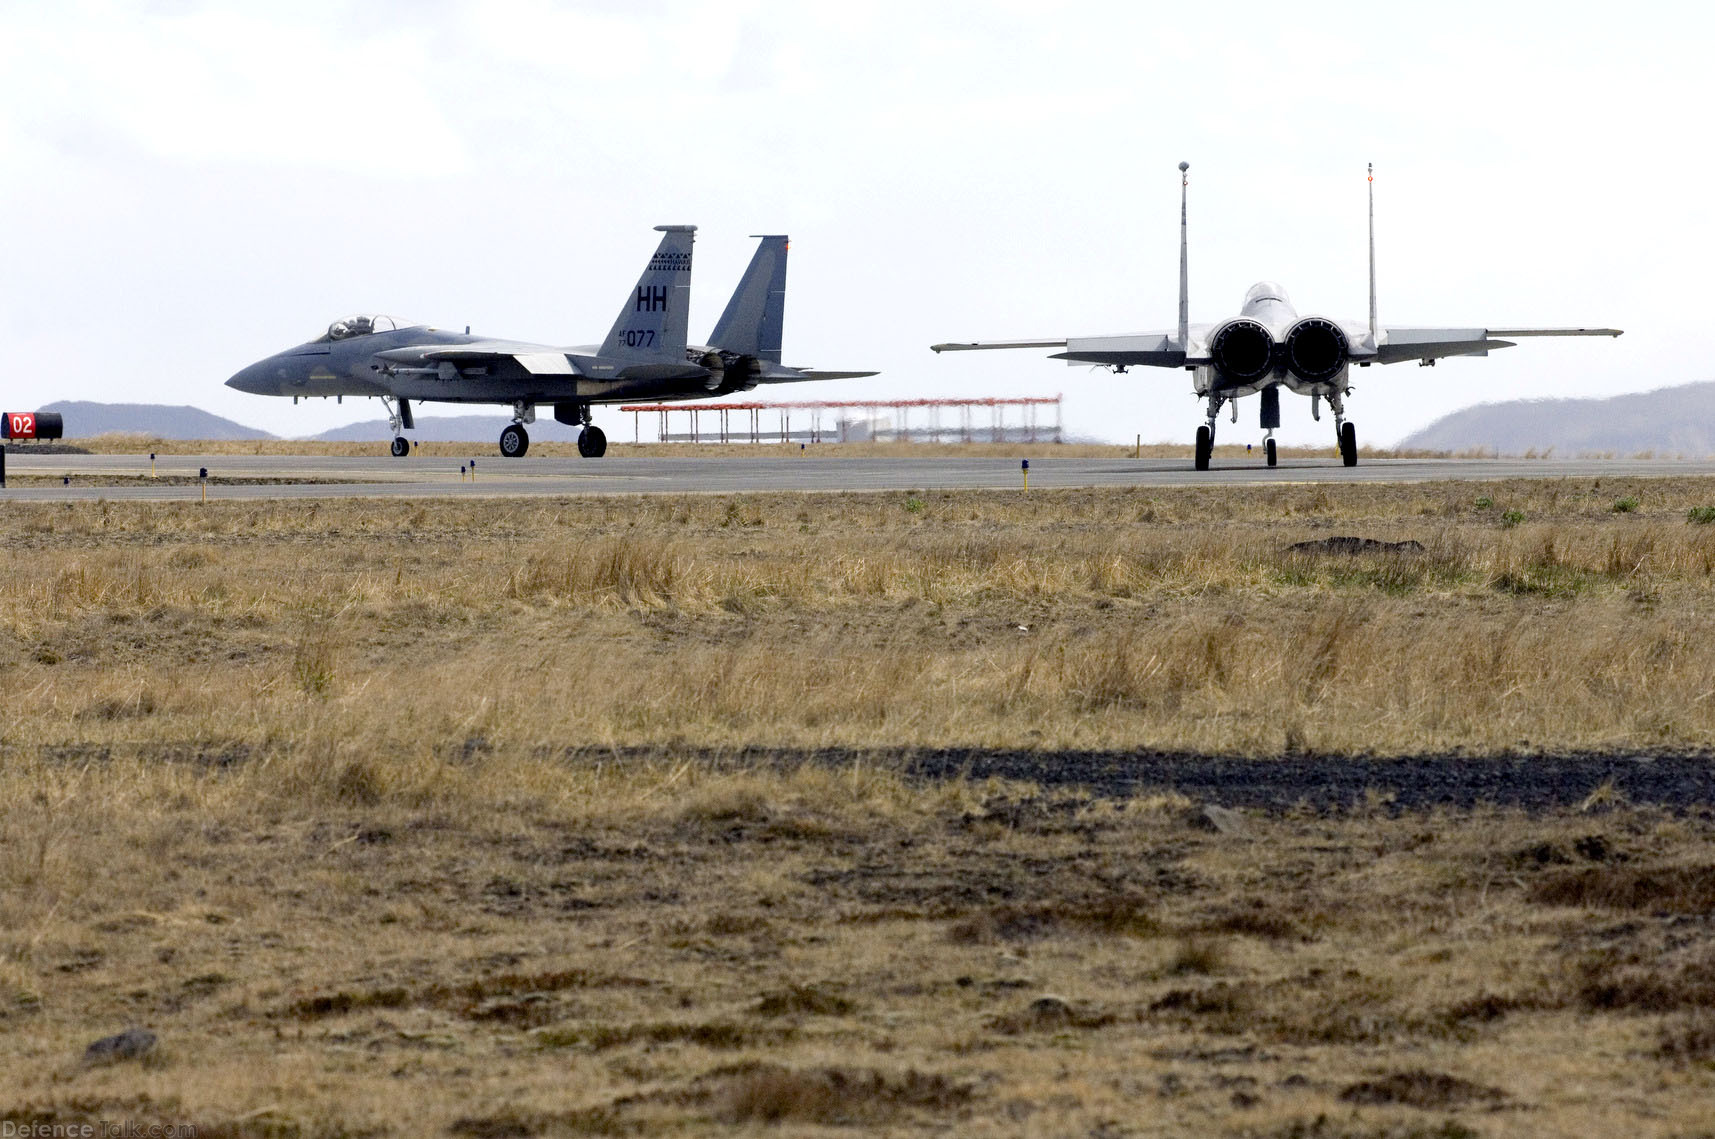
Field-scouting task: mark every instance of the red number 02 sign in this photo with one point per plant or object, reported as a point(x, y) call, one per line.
point(20, 425)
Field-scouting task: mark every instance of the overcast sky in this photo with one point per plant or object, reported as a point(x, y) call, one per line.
point(189, 187)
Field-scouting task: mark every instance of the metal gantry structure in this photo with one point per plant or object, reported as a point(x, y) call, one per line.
point(885, 419)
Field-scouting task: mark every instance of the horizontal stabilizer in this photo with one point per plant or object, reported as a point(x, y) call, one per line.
point(813, 374)
point(1144, 350)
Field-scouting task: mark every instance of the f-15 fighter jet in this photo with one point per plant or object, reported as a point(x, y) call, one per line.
point(1268, 345)
point(645, 356)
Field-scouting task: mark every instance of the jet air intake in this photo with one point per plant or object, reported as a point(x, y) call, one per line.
point(1242, 352)
point(1316, 349)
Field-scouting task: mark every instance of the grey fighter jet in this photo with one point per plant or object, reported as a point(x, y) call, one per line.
point(645, 356)
point(1268, 345)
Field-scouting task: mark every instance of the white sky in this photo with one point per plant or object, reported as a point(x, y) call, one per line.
point(189, 187)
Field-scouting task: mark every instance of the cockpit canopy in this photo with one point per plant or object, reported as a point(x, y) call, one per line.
point(365, 325)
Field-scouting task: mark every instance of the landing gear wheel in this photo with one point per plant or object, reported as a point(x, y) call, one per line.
point(1348, 445)
point(1205, 447)
point(514, 441)
point(592, 442)
point(1268, 450)
point(401, 448)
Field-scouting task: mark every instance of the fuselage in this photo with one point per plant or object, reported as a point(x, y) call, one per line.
point(397, 359)
point(1270, 343)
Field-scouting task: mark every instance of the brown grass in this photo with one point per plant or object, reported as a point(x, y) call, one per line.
point(502, 945)
point(333, 800)
point(1177, 620)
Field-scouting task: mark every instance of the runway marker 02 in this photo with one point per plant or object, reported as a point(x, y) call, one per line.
point(32, 424)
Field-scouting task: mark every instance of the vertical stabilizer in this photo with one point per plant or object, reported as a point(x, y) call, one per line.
point(1374, 339)
point(755, 318)
point(655, 321)
point(1184, 263)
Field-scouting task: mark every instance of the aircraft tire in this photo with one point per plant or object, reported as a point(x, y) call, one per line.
point(1349, 445)
point(1205, 447)
point(1268, 450)
point(401, 447)
point(592, 442)
point(514, 441)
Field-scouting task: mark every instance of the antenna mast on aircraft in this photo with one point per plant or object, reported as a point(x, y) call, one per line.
point(1184, 271)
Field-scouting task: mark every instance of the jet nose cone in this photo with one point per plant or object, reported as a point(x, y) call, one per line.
point(256, 379)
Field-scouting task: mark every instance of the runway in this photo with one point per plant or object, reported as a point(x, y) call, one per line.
point(259, 476)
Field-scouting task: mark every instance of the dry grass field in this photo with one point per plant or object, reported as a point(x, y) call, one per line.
point(381, 818)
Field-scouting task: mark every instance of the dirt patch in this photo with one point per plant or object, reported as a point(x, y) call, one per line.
point(1421, 1089)
point(773, 1094)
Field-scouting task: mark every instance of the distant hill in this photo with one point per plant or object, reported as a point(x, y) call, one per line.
point(83, 419)
point(455, 429)
point(1668, 421)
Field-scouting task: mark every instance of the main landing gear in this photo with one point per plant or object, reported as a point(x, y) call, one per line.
point(1345, 435)
point(1206, 433)
point(592, 440)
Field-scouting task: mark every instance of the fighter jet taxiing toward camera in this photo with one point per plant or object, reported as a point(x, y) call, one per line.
point(645, 355)
point(1268, 345)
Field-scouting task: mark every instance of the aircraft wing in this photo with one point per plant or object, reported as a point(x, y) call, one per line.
point(986, 345)
point(1399, 344)
point(533, 358)
point(1143, 349)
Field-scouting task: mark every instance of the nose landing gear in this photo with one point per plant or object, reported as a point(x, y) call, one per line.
point(398, 417)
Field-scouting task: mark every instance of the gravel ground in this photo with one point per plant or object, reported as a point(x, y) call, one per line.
point(1532, 783)
point(1417, 783)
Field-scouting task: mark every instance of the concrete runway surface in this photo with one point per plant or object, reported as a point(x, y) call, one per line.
point(254, 476)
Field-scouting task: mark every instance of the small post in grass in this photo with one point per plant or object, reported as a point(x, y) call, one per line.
point(202, 477)
point(1025, 467)
point(151, 464)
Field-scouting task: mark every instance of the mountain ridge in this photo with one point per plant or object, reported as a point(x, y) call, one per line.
point(1674, 420)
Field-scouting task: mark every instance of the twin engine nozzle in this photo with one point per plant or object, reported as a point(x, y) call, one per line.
point(1244, 352)
point(728, 371)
